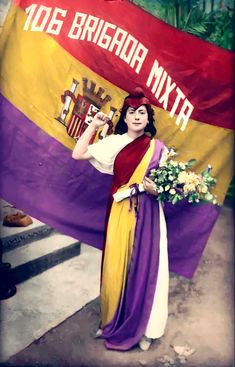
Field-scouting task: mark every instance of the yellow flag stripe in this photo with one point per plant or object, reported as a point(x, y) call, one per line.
point(33, 78)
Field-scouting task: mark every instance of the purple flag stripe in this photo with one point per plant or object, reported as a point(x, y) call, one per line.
point(189, 227)
point(39, 176)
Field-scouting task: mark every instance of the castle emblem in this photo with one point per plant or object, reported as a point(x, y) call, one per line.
point(84, 109)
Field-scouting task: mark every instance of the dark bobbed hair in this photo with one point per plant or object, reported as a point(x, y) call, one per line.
point(121, 127)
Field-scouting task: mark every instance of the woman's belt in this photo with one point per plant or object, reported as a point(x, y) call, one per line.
point(126, 193)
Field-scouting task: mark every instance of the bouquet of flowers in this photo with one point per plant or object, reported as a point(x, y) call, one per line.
point(175, 181)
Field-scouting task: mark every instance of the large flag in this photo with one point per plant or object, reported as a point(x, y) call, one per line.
point(61, 61)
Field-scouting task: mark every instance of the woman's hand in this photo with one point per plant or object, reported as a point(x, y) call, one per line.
point(99, 119)
point(80, 150)
point(149, 186)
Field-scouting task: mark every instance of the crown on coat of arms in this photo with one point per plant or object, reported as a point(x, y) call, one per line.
point(94, 97)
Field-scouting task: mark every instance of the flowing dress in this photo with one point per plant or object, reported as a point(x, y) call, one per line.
point(135, 275)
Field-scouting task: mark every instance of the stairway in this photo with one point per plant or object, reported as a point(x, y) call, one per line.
point(56, 276)
point(35, 248)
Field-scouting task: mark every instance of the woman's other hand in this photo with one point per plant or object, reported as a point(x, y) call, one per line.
point(99, 119)
point(149, 186)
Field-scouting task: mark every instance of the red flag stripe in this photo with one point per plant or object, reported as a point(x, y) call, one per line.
point(203, 72)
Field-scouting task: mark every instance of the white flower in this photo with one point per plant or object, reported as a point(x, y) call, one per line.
point(182, 165)
point(167, 187)
point(174, 163)
point(171, 152)
point(160, 189)
point(162, 163)
point(209, 196)
point(172, 191)
point(171, 178)
point(163, 160)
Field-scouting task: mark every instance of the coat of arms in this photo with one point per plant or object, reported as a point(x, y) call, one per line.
point(84, 109)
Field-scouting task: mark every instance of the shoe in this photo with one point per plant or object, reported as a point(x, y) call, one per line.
point(17, 220)
point(145, 343)
point(98, 334)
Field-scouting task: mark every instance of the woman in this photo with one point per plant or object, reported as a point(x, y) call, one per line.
point(135, 276)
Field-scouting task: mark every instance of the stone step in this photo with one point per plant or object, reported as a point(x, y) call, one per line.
point(38, 256)
point(33, 249)
point(13, 237)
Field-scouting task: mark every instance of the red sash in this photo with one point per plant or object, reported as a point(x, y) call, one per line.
point(128, 159)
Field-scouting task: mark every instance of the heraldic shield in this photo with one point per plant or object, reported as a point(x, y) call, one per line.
point(84, 109)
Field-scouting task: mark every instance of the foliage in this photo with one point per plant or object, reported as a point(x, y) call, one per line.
point(210, 21)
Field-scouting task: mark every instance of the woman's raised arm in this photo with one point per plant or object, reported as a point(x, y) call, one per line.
point(80, 150)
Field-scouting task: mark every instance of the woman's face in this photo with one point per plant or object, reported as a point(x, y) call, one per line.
point(136, 120)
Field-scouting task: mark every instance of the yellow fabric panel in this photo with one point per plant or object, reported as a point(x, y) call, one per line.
point(119, 243)
point(34, 78)
point(206, 143)
point(31, 76)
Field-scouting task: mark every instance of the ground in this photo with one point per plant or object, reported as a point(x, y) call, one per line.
point(200, 316)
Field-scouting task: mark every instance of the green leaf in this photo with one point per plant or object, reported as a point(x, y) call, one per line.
point(191, 162)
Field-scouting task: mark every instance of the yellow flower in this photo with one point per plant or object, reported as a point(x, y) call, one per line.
point(204, 189)
point(182, 177)
point(189, 187)
point(193, 178)
point(172, 191)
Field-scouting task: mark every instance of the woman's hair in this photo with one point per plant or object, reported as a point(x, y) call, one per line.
point(135, 100)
